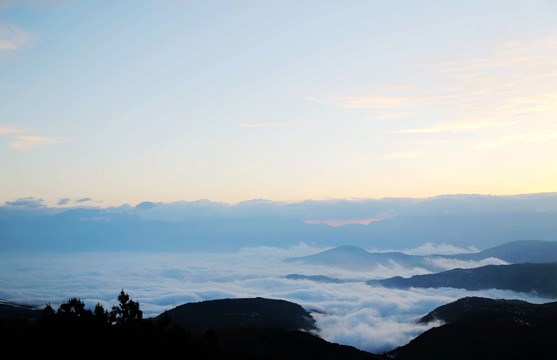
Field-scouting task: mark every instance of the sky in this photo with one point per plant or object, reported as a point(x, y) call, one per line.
point(112, 102)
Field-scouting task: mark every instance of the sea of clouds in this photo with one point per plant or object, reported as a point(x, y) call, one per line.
point(375, 319)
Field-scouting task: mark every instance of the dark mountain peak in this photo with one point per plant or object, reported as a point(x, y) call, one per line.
point(355, 258)
point(241, 313)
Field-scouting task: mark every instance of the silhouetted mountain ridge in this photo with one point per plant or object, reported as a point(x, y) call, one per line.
point(540, 279)
point(248, 328)
point(520, 251)
point(480, 328)
point(473, 306)
point(355, 258)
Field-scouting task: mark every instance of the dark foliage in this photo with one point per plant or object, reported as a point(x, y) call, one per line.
point(479, 328)
point(73, 330)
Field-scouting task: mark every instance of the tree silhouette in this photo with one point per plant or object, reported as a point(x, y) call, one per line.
point(48, 313)
point(100, 315)
point(74, 308)
point(127, 312)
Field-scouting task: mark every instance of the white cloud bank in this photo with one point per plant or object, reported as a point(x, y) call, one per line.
point(371, 318)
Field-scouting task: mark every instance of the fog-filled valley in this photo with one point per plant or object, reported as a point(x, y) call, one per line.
point(339, 285)
point(371, 318)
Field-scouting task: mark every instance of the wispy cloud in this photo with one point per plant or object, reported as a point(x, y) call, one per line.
point(525, 138)
point(514, 86)
point(462, 125)
point(13, 38)
point(12, 129)
point(508, 94)
point(21, 139)
point(27, 141)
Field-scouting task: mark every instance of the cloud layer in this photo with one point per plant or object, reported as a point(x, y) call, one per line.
point(21, 140)
point(507, 94)
point(371, 318)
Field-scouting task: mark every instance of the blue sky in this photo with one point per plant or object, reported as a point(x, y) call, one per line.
point(126, 101)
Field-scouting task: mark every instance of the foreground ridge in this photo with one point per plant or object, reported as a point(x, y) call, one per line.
point(250, 328)
point(481, 328)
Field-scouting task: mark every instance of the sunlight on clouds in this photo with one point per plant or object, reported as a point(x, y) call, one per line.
point(466, 111)
point(28, 142)
point(372, 102)
point(532, 137)
point(515, 85)
point(511, 89)
point(22, 142)
point(11, 129)
point(464, 125)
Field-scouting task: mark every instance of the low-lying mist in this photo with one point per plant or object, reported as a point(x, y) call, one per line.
point(375, 319)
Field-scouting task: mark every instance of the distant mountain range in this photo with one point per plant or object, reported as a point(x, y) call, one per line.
point(514, 252)
point(400, 223)
point(480, 328)
point(540, 279)
point(355, 258)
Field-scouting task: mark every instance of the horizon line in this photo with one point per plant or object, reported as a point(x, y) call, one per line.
point(39, 203)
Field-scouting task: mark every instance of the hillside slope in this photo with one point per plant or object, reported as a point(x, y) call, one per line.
point(479, 328)
point(536, 278)
point(241, 313)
